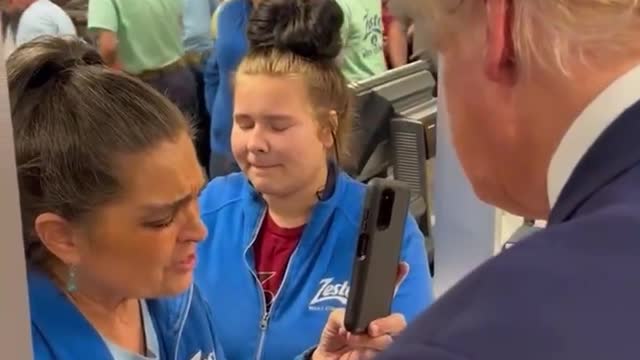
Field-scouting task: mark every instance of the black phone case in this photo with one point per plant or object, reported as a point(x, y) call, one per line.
point(377, 256)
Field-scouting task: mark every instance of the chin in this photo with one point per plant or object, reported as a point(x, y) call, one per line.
point(177, 284)
point(496, 195)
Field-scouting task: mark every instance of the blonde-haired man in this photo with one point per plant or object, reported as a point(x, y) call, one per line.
point(543, 98)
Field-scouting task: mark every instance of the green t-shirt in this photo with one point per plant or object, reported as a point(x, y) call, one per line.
point(149, 31)
point(363, 53)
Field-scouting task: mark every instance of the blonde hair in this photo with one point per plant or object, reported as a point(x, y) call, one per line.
point(549, 33)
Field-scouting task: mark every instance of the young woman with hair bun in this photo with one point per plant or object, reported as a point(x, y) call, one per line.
point(282, 233)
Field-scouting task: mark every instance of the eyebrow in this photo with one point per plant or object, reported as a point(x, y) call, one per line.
point(268, 117)
point(174, 205)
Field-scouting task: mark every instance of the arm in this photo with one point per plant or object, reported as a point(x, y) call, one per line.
point(102, 18)
point(108, 48)
point(415, 293)
point(398, 44)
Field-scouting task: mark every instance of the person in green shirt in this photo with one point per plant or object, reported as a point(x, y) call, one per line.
point(144, 38)
point(363, 52)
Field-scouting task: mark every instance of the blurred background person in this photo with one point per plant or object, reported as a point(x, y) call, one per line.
point(145, 39)
point(110, 251)
point(214, 19)
point(77, 11)
point(396, 38)
point(38, 17)
point(9, 27)
point(198, 44)
point(282, 233)
point(407, 16)
point(362, 55)
point(229, 48)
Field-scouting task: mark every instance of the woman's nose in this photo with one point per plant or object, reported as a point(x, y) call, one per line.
point(257, 141)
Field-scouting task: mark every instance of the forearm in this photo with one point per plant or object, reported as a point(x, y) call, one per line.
point(398, 45)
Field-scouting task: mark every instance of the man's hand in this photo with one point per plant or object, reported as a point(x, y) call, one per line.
point(336, 343)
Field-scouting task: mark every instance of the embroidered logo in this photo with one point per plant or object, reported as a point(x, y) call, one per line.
point(330, 295)
point(199, 356)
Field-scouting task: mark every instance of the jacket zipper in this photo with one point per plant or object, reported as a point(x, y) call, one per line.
point(265, 315)
point(264, 321)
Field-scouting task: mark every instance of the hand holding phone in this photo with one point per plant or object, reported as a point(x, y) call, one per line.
point(375, 267)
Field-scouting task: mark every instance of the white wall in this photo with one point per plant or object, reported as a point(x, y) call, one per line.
point(15, 333)
point(466, 231)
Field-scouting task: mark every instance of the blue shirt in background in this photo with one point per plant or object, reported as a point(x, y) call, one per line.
point(197, 25)
point(230, 47)
point(43, 18)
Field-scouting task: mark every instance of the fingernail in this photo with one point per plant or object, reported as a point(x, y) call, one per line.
point(373, 329)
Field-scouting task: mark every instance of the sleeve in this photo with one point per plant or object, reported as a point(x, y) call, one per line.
point(102, 15)
point(211, 76)
point(41, 350)
point(400, 351)
point(65, 25)
point(31, 26)
point(39, 22)
point(306, 355)
point(415, 293)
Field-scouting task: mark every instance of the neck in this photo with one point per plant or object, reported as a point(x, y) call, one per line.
point(117, 318)
point(294, 209)
point(552, 122)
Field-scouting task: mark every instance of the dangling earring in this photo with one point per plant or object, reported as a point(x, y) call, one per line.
point(71, 279)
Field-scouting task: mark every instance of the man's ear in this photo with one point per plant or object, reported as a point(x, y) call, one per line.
point(327, 133)
point(58, 236)
point(499, 58)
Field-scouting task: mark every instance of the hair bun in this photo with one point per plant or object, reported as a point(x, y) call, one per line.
point(308, 28)
point(47, 59)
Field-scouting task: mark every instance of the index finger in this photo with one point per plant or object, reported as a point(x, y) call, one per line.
point(390, 325)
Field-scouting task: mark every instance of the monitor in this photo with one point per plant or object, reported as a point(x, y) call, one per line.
point(378, 100)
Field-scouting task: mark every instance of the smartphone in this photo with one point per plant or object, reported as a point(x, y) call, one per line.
point(375, 264)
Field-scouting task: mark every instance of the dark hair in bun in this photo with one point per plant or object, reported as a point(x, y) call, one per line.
point(307, 28)
point(47, 61)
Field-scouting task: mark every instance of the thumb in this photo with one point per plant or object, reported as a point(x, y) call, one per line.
point(401, 274)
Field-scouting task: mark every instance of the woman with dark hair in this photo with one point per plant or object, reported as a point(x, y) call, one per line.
point(110, 250)
point(282, 233)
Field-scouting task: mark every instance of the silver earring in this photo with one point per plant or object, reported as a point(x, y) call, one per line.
point(71, 279)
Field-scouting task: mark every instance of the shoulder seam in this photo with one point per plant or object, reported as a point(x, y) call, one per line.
point(220, 206)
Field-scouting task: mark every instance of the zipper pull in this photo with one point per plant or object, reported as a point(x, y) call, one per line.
point(264, 320)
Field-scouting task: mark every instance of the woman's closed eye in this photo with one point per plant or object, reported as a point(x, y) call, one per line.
point(160, 223)
point(280, 127)
point(244, 122)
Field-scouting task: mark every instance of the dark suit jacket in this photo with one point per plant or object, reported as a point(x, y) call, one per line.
point(570, 292)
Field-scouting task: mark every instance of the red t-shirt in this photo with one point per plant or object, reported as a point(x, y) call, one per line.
point(272, 250)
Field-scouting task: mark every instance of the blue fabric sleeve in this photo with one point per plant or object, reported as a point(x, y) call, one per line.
point(41, 350)
point(306, 355)
point(416, 291)
point(211, 79)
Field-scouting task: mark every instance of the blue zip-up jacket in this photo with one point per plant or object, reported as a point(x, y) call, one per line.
point(315, 282)
point(229, 49)
point(60, 332)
